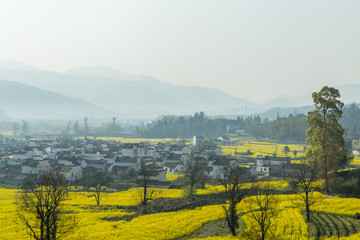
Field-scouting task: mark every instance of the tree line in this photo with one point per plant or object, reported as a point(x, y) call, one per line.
point(292, 127)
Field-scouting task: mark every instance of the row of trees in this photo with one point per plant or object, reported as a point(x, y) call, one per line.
point(71, 128)
point(185, 127)
point(108, 128)
point(16, 127)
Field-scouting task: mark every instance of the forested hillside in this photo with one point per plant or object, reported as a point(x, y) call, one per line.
point(283, 128)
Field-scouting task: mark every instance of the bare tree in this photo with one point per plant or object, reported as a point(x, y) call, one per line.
point(261, 208)
point(304, 180)
point(40, 208)
point(195, 173)
point(98, 194)
point(233, 183)
point(144, 172)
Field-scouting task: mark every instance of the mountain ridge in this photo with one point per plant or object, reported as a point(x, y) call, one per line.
point(141, 94)
point(20, 100)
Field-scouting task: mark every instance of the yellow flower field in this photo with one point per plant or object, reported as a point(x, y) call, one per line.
point(289, 223)
point(138, 140)
point(173, 176)
point(355, 161)
point(264, 148)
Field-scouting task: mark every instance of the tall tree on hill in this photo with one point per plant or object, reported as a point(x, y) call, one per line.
point(325, 134)
point(68, 128)
point(113, 126)
point(15, 128)
point(76, 128)
point(233, 182)
point(24, 126)
point(86, 126)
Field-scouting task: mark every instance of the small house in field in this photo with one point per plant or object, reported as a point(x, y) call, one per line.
point(271, 165)
point(174, 167)
point(219, 165)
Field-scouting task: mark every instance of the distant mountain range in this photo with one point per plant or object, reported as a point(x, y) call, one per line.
point(137, 95)
point(23, 101)
point(100, 91)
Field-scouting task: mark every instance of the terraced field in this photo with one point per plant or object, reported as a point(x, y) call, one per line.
point(331, 224)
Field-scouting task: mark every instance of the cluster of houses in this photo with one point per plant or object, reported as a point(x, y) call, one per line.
point(74, 158)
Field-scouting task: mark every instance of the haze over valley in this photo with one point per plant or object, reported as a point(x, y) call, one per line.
point(102, 92)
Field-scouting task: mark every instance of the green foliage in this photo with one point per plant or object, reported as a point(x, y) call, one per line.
point(287, 128)
point(351, 121)
point(286, 150)
point(325, 134)
point(128, 174)
point(185, 127)
point(189, 191)
point(349, 185)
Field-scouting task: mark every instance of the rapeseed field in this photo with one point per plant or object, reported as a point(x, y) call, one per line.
point(93, 222)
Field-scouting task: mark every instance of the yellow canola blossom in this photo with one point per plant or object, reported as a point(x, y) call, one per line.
point(137, 140)
point(123, 198)
point(153, 226)
point(289, 223)
point(173, 176)
point(264, 148)
point(355, 161)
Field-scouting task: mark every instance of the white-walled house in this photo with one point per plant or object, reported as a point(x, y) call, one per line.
point(94, 156)
point(22, 155)
point(219, 167)
point(71, 172)
point(129, 151)
point(35, 166)
point(265, 164)
point(174, 167)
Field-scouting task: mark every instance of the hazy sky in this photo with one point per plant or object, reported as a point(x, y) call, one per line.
point(251, 49)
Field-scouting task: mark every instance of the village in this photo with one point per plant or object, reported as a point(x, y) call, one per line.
point(82, 159)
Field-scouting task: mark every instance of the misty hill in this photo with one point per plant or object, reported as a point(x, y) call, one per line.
point(349, 94)
point(104, 71)
point(287, 101)
point(185, 99)
point(273, 113)
point(137, 94)
point(12, 64)
point(144, 96)
point(23, 101)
